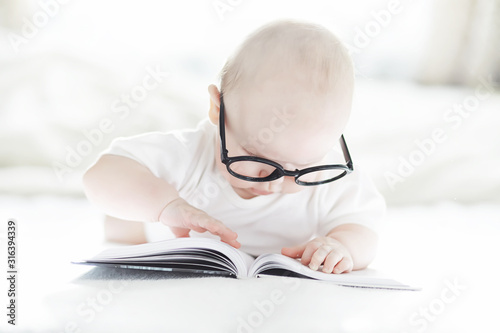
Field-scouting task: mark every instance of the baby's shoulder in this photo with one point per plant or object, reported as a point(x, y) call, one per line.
point(182, 138)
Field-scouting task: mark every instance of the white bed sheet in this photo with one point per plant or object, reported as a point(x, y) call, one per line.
point(431, 246)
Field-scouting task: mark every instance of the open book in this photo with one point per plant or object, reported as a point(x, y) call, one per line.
point(213, 257)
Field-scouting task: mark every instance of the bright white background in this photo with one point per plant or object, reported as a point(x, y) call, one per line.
point(61, 80)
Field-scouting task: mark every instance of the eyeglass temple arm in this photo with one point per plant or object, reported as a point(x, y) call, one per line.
point(222, 129)
point(347, 156)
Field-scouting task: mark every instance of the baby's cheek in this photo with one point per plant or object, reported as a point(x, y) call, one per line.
point(235, 182)
point(289, 186)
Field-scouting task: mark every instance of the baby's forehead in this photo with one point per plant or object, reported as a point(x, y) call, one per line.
point(298, 128)
point(298, 147)
point(280, 100)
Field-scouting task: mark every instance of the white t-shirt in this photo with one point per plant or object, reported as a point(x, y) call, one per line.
point(186, 160)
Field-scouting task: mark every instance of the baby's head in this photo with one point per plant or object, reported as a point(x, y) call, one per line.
point(287, 94)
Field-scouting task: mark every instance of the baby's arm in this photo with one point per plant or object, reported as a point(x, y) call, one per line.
point(126, 189)
point(346, 247)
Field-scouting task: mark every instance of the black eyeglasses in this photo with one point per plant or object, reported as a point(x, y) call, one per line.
point(257, 169)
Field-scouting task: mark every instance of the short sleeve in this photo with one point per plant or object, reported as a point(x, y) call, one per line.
point(171, 156)
point(352, 199)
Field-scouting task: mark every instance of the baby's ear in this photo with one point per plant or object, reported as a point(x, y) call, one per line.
point(213, 112)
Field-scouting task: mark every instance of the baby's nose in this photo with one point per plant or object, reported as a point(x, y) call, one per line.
point(275, 185)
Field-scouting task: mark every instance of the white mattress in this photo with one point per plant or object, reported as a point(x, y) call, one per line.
point(432, 246)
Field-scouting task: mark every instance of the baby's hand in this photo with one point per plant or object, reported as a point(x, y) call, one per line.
point(322, 250)
point(181, 217)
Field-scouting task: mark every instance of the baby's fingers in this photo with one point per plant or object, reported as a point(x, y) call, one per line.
point(320, 255)
point(332, 259)
point(344, 266)
point(218, 228)
point(180, 232)
point(294, 251)
point(194, 219)
point(309, 251)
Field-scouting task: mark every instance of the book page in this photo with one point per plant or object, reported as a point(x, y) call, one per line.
point(181, 247)
point(278, 264)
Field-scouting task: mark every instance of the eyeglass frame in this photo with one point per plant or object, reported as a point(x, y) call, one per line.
point(280, 171)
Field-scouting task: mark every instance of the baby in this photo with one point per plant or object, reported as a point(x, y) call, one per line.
point(269, 170)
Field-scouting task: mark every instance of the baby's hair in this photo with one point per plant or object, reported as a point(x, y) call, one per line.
point(310, 52)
